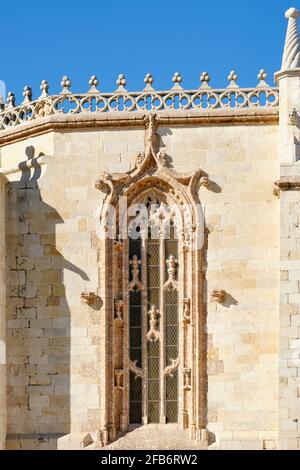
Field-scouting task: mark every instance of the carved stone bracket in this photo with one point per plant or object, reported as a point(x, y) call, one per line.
point(153, 333)
point(118, 314)
point(169, 370)
point(186, 378)
point(135, 369)
point(186, 311)
point(287, 183)
point(218, 295)
point(119, 376)
point(91, 299)
point(171, 282)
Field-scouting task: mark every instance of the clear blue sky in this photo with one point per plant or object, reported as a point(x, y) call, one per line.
point(45, 40)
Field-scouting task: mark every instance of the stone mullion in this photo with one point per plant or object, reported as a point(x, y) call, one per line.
point(193, 354)
point(162, 264)
point(182, 411)
point(144, 278)
point(115, 346)
point(125, 326)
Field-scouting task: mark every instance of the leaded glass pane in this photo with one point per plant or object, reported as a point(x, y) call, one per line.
point(135, 402)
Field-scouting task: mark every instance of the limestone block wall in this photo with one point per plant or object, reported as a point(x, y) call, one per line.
point(53, 338)
point(289, 391)
point(3, 393)
point(242, 218)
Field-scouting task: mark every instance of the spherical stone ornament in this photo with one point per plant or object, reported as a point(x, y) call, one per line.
point(292, 13)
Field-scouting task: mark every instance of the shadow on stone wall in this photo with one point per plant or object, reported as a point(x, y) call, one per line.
point(38, 317)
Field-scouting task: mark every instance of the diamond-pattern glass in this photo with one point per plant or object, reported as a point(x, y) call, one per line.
point(135, 402)
point(135, 341)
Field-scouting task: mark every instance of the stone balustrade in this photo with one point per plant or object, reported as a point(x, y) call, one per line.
point(121, 100)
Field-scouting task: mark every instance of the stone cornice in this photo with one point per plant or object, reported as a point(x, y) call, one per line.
point(86, 121)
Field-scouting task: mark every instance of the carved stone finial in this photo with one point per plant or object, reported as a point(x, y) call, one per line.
point(11, 100)
point(93, 82)
point(65, 83)
point(177, 79)
point(205, 79)
point(121, 82)
point(27, 93)
point(262, 75)
point(148, 80)
point(44, 86)
point(291, 53)
point(232, 78)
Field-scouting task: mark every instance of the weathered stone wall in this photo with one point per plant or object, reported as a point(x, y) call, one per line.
point(289, 389)
point(53, 339)
point(3, 393)
point(242, 217)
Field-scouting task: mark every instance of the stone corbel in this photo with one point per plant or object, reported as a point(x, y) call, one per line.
point(287, 183)
point(91, 299)
point(218, 295)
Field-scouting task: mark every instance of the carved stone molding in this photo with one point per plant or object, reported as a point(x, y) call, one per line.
point(218, 295)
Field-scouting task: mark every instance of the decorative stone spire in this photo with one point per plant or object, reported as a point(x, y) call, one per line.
point(291, 54)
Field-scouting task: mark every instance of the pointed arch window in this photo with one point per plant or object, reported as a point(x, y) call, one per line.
point(152, 298)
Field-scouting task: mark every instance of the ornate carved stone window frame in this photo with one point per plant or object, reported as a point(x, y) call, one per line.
point(151, 171)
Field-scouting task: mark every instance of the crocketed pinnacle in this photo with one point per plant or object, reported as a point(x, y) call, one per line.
point(291, 54)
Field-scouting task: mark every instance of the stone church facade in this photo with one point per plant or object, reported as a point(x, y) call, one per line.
point(185, 341)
